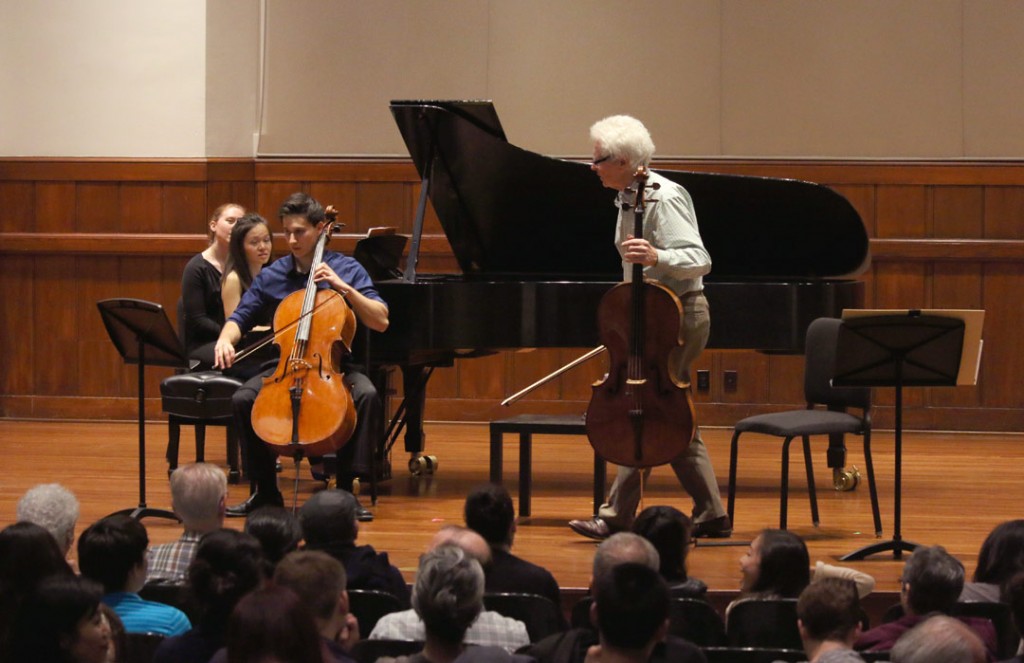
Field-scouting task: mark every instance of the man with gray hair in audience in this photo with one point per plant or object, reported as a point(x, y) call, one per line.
point(931, 583)
point(939, 639)
point(623, 549)
point(198, 496)
point(54, 508)
point(454, 582)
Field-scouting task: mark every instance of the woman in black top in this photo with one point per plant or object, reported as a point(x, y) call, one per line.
point(202, 309)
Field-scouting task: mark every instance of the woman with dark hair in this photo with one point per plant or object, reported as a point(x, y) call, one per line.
point(1000, 558)
point(778, 566)
point(668, 529)
point(202, 308)
point(228, 564)
point(272, 624)
point(248, 251)
point(277, 529)
point(61, 622)
point(28, 555)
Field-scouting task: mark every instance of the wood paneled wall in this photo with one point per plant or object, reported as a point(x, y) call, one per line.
point(944, 235)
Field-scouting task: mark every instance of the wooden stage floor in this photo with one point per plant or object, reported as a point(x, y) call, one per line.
point(956, 487)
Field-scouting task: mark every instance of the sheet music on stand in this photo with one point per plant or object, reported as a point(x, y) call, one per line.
point(906, 348)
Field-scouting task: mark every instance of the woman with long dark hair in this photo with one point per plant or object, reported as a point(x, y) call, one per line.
point(61, 622)
point(1000, 558)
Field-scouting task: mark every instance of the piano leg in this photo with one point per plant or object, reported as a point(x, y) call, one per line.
point(414, 386)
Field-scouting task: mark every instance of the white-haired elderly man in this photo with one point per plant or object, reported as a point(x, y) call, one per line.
point(54, 508)
point(672, 253)
point(198, 496)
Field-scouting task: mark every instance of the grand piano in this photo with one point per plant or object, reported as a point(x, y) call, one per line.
point(533, 237)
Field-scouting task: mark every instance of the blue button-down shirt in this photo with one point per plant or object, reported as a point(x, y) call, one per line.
point(280, 279)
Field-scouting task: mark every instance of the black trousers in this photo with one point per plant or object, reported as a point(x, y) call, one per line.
point(353, 459)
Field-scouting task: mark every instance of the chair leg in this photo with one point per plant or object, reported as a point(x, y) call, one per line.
point(871, 483)
point(234, 476)
point(734, 448)
point(173, 440)
point(200, 443)
point(784, 497)
point(525, 473)
point(811, 490)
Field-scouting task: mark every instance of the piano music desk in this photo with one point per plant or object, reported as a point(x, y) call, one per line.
point(526, 425)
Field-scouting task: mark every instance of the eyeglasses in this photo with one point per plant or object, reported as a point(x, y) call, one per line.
point(596, 162)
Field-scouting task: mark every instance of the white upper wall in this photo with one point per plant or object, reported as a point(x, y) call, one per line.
point(734, 78)
point(103, 78)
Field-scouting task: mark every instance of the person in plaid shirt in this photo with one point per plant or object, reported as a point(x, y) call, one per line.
point(198, 495)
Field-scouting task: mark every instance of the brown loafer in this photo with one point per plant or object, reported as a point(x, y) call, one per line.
point(716, 528)
point(595, 528)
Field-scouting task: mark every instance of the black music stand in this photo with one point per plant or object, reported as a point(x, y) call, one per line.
point(901, 350)
point(134, 324)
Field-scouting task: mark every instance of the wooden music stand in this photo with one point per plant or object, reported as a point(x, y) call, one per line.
point(134, 325)
point(903, 349)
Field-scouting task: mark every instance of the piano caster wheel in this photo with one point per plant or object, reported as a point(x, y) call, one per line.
point(234, 477)
point(421, 465)
point(844, 480)
point(277, 467)
point(355, 486)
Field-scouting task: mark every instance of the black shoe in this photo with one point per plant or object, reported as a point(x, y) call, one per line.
point(363, 514)
point(595, 528)
point(255, 501)
point(716, 528)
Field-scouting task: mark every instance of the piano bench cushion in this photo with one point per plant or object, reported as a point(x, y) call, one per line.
point(200, 395)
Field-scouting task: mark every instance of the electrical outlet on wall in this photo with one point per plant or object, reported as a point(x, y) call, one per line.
point(729, 380)
point(704, 380)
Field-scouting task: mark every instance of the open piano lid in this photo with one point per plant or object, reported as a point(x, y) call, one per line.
point(511, 213)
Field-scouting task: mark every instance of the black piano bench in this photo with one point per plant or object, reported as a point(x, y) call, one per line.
point(200, 399)
point(526, 425)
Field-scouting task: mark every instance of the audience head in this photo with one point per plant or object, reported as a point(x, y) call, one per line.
point(462, 537)
point(319, 581)
point(777, 564)
point(112, 551)
point(932, 581)
point(630, 607)
point(228, 565)
point(118, 652)
point(489, 513)
point(54, 507)
point(623, 137)
point(62, 622)
point(448, 593)
point(28, 554)
point(622, 548)
point(248, 247)
point(272, 624)
point(304, 205)
point(222, 221)
point(198, 494)
point(668, 530)
point(1002, 554)
point(829, 609)
point(939, 639)
point(1013, 594)
point(329, 517)
point(277, 529)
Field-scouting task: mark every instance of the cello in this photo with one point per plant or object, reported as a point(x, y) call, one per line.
point(640, 414)
point(304, 407)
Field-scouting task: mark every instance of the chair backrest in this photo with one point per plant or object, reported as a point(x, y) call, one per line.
point(140, 647)
point(752, 654)
point(369, 605)
point(764, 623)
point(580, 616)
point(368, 651)
point(696, 621)
point(1002, 619)
point(541, 617)
point(819, 369)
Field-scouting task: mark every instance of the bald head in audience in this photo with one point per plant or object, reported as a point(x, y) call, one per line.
point(939, 639)
point(622, 548)
point(465, 538)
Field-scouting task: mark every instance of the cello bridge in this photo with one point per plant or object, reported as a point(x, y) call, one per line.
point(636, 381)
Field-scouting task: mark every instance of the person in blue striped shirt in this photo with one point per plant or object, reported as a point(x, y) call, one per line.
point(112, 551)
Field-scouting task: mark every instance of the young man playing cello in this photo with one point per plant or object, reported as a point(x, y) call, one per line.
point(302, 218)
